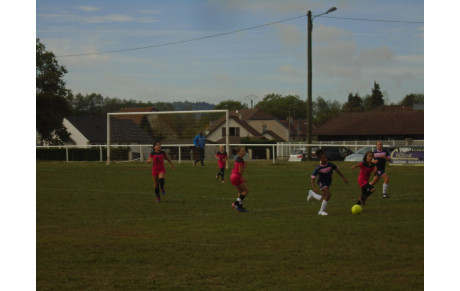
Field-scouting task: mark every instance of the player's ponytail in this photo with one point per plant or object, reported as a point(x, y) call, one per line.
point(365, 157)
point(319, 152)
point(235, 150)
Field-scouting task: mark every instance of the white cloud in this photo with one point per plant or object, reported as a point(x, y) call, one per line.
point(88, 8)
point(289, 70)
point(375, 56)
point(289, 34)
point(220, 77)
point(109, 18)
point(147, 11)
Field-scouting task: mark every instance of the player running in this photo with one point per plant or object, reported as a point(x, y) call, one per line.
point(381, 156)
point(157, 157)
point(324, 174)
point(222, 157)
point(237, 179)
point(367, 168)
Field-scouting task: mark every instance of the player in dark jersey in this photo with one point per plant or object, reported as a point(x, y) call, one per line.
point(367, 168)
point(237, 179)
point(324, 174)
point(157, 157)
point(381, 156)
point(222, 157)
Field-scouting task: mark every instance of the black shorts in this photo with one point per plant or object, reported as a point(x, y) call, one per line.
point(380, 172)
point(366, 188)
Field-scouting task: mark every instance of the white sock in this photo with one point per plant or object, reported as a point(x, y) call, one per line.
point(385, 188)
point(316, 196)
point(323, 205)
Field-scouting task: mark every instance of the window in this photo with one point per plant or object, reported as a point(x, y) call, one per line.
point(234, 131)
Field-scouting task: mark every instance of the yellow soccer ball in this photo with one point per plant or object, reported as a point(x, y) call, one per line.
point(356, 209)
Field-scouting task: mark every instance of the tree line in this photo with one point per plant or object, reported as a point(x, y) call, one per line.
point(54, 102)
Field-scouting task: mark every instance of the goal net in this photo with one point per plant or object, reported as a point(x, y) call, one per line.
point(130, 135)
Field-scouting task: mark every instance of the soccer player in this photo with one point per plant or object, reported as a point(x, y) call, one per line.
point(381, 156)
point(367, 168)
point(222, 157)
point(237, 179)
point(157, 157)
point(324, 174)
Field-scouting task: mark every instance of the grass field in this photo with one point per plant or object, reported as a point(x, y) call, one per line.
point(99, 228)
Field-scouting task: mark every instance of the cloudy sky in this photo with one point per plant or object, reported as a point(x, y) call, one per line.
point(190, 50)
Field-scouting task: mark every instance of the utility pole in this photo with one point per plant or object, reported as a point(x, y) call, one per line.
point(309, 97)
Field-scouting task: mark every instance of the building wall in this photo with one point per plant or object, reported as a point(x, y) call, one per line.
point(273, 125)
point(217, 134)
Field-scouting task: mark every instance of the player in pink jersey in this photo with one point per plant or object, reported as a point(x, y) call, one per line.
point(237, 179)
point(367, 168)
point(157, 157)
point(222, 157)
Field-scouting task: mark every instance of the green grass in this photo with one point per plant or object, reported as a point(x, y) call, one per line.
point(98, 228)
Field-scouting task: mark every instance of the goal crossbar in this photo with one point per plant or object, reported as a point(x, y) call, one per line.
point(109, 114)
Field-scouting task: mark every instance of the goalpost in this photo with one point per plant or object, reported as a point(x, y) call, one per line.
point(130, 135)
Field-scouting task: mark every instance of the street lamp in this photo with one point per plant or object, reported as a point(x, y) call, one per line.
point(309, 101)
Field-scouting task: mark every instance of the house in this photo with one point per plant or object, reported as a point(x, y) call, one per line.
point(297, 127)
point(86, 130)
point(382, 123)
point(252, 123)
point(93, 131)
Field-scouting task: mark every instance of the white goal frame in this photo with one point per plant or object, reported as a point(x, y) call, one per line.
point(110, 114)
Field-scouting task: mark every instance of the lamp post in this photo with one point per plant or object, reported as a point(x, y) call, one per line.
point(309, 98)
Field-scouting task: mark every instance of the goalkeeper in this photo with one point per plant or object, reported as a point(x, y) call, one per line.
point(200, 142)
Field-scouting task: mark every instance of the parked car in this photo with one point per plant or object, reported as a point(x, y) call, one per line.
point(333, 153)
point(298, 155)
point(358, 155)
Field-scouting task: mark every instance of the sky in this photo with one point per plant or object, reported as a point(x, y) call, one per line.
point(190, 50)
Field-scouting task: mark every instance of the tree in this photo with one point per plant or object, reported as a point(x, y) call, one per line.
point(51, 97)
point(88, 105)
point(375, 99)
point(412, 99)
point(162, 106)
point(324, 110)
point(283, 107)
point(231, 105)
point(354, 104)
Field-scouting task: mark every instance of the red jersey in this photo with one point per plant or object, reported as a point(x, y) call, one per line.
point(158, 162)
point(365, 173)
point(222, 157)
point(236, 168)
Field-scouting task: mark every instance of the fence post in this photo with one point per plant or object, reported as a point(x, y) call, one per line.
point(273, 148)
point(100, 153)
point(67, 154)
point(180, 154)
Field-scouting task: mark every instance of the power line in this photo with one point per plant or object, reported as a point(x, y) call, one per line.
point(231, 32)
point(374, 20)
point(181, 41)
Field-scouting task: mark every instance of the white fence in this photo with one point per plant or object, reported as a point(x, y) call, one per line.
point(185, 152)
point(285, 148)
point(134, 152)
